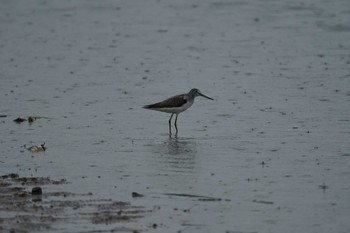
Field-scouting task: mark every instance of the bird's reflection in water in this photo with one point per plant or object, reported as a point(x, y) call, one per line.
point(179, 154)
point(178, 146)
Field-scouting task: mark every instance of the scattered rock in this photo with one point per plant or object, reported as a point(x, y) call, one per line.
point(264, 202)
point(209, 199)
point(198, 197)
point(37, 191)
point(11, 175)
point(323, 186)
point(19, 120)
point(30, 119)
point(135, 194)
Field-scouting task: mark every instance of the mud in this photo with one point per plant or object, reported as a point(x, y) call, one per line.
point(29, 211)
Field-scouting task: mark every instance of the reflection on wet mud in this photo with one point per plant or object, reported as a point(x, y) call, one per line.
point(180, 154)
point(176, 154)
point(177, 146)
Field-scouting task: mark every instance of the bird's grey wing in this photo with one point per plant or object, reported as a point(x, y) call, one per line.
point(172, 102)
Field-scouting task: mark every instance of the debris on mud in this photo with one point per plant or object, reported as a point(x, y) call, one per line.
point(323, 186)
point(263, 202)
point(19, 120)
point(197, 197)
point(37, 148)
point(116, 212)
point(30, 119)
point(135, 194)
point(28, 209)
point(37, 191)
point(16, 179)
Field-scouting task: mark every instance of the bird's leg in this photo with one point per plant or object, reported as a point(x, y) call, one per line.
point(176, 124)
point(170, 123)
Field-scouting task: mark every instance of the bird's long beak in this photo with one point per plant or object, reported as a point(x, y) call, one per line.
point(205, 96)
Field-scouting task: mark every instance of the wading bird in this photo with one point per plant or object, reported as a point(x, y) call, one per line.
point(176, 104)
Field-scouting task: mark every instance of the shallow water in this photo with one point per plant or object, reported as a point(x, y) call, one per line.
point(269, 154)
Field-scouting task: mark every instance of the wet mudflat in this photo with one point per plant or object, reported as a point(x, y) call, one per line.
point(270, 154)
point(58, 211)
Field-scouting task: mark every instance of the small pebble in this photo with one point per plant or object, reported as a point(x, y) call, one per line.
point(37, 191)
point(30, 119)
point(135, 194)
point(19, 120)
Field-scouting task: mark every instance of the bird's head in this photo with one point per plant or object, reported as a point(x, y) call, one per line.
point(195, 92)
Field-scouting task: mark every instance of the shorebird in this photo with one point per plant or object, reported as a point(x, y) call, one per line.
point(176, 104)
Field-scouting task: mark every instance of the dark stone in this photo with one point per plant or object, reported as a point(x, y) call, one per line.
point(135, 194)
point(37, 191)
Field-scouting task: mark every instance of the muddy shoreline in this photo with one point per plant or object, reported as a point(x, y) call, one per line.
point(31, 211)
